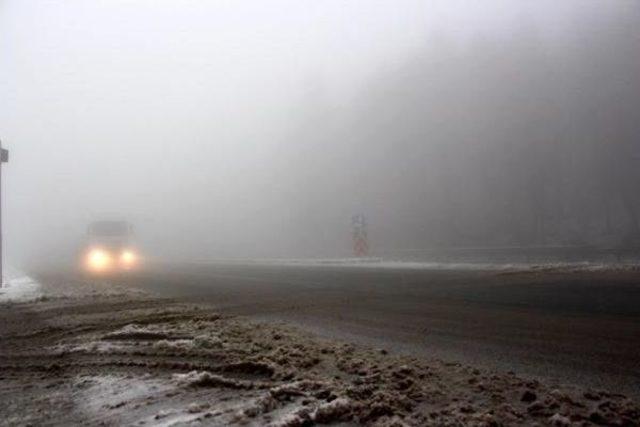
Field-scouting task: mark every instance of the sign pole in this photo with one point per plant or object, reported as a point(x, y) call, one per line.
point(359, 233)
point(4, 157)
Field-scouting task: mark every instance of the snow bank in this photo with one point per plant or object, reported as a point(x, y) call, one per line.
point(19, 288)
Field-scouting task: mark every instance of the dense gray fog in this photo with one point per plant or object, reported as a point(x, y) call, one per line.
point(257, 129)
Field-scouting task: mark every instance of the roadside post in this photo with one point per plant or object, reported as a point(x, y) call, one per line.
point(359, 234)
point(4, 158)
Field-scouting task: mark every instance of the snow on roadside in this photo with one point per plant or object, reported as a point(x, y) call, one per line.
point(100, 391)
point(19, 288)
point(165, 367)
point(95, 347)
point(380, 263)
point(151, 400)
point(566, 267)
point(161, 339)
point(96, 394)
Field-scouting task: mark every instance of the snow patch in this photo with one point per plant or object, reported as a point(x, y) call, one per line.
point(95, 394)
point(380, 263)
point(20, 288)
point(201, 342)
point(135, 332)
point(93, 347)
point(169, 419)
point(207, 379)
point(500, 267)
point(337, 410)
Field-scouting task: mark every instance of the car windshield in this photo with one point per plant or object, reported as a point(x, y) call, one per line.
point(109, 228)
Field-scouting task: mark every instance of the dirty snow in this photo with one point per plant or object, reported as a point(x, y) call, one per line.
point(104, 391)
point(155, 362)
point(19, 287)
point(98, 347)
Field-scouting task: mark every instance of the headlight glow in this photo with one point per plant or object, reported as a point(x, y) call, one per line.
point(128, 257)
point(98, 259)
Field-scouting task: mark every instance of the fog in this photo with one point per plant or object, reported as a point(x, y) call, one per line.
point(257, 129)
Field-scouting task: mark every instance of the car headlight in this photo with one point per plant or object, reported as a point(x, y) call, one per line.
point(99, 259)
point(128, 258)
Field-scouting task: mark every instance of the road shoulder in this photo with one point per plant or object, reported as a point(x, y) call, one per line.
point(103, 355)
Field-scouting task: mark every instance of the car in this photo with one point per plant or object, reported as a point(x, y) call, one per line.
point(110, 247)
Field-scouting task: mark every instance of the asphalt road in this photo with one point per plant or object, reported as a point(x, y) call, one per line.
point(579, 328)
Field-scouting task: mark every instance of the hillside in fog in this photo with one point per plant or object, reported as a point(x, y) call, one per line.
point(522, 140)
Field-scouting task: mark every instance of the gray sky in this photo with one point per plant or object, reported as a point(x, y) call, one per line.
point(180, 114)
